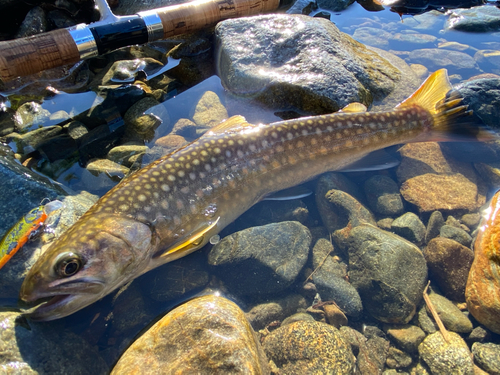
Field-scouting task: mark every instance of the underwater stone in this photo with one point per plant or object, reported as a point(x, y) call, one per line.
point(436, 221)
point(483, 97)
point(261, 260)
point(456, 234)
point(373, 355)
point(407, 336)
point(476, 19)
point(453, 319)
point(27, 346)
point(449, 263)
point(34, 23)
point(219, 329)
point(445, 358)
point(487, 357)
point(389, 286)
point(209, 111)
point(409, 226)
point(383, 195)
point(436, 58)
point(330, 278)
point(277, 310)
point(307, 347)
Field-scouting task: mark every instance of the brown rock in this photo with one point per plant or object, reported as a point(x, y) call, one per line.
point(432, 192)
point(449, 263)
point(171, 141)
point(482, 293)
point(335, 316)
point(206, 335)
point(185, 127)
point(307, 347)
point(432, 181)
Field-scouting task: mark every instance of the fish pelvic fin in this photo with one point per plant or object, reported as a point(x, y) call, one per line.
point(452, 120)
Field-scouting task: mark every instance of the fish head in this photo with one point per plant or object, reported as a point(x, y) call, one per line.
point(100, 253)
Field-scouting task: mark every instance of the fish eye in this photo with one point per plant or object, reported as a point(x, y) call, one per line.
point(68, 264)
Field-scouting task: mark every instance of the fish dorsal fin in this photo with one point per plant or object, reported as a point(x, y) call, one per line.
point(232, 124)
point(191, 243)
point(374, 161)
point(431, 92)
point(354, 107)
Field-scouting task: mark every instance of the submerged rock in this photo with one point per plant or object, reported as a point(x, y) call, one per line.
point(409, 226)
point(299, 61)
point(477, 19)
point(330, 278)
point(449, 263)
point(483, 97)
point(306, 347)
point(487, 357)
point(437, 58)
point(205, 335)
point(406, 336)
point(44, 348)
point(383, 195)
point(432, 181)
point(264, 259)
point(209, 111)
point(265, 313)
point(388, 272)
point(445, 358)
point(373, 355)
point(451, 316)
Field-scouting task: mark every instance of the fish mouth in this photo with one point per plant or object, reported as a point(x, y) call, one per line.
point(46, 308)
point(58, 304)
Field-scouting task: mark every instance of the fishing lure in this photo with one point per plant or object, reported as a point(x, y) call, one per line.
point(25, 229)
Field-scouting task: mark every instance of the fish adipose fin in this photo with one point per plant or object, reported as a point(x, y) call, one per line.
point(452, 121)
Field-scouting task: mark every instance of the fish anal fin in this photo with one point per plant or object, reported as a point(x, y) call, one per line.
point(431, 92)
point(354, 108)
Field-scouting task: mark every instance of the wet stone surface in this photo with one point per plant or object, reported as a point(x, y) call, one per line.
point(308, 347)
point(390, 289)
point(230, 343)
point(27, 346)
point(271, 256)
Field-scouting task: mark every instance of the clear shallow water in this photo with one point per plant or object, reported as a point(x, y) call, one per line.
point(99, 323)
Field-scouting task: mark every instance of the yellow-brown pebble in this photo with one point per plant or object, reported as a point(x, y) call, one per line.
point(206, 335)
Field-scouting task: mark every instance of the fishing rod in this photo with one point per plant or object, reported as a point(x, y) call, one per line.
point(25, 56)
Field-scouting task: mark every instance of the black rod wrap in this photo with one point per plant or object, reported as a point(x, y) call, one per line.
point(120, 34)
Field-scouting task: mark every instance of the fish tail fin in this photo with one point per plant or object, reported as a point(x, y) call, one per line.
point(452, 120)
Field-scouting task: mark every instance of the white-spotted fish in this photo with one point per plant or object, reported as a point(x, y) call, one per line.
point(173, 206)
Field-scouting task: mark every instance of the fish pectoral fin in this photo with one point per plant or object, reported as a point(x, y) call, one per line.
point(191, 243)
point(232, 124)
point(374, 161)
point(354, 108)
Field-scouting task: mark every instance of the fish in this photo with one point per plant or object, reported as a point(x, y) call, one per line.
point(482, 292)
point(27, 228)
point(175, 205)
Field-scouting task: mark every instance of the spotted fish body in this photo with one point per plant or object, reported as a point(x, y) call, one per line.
point(174, 205)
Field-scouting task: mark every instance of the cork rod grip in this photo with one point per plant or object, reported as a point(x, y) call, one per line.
point(196, 15)
point(25, 56)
